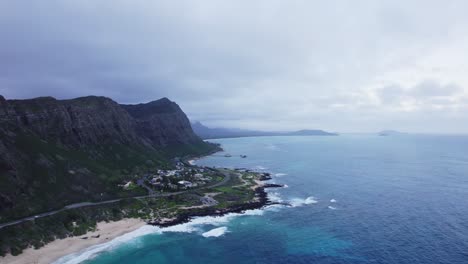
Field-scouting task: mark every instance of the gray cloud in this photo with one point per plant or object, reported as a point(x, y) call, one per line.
point(425, 93)
point(257, 64)
point(431, 88)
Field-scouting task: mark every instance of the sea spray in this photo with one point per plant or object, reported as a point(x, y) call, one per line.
point(296, 202)
point(280, 174)
point(216, 232)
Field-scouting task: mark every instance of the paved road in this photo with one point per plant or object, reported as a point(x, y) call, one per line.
point(226, 174)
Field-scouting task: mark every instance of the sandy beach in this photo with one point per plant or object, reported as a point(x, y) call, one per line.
point(62, 247)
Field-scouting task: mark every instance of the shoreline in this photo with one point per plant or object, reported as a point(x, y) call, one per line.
point(105, 232)
point(260, 201)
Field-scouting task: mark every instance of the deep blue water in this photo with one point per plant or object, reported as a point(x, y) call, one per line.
point(399, 199)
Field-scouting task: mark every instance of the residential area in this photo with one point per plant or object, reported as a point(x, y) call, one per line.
point(182, 177)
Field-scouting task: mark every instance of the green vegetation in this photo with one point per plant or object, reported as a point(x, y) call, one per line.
point(55, 176)
point(195, 150)
point(76, 222)
point(238, 190)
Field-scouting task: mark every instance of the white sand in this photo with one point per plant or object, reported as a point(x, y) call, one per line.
point(62, 247)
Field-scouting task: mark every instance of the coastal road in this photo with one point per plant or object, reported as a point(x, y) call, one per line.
point(227, 177)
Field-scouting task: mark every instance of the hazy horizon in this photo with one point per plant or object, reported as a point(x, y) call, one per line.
point(339, 66)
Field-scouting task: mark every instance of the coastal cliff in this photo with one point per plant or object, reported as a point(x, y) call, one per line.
point(162, 122)
point(57, 152)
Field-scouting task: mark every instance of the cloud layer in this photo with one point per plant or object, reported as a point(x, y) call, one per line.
point(336, 65)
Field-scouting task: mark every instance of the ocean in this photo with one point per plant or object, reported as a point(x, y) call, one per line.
point(354, 199)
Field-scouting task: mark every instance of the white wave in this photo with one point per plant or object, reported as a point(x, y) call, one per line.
point(215, 232)
point(275, 197)
point(332, 201)
point(331, 207)
point(91, 252)
point(259, 167)
point(280, 174)
point(310, 200)
point(274, 207)
point(190, 227)
point(295, 202)
point(254, 212)
point(191, 162)
point(285, 186)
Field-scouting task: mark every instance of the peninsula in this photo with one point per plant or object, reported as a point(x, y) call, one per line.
point(71, 168)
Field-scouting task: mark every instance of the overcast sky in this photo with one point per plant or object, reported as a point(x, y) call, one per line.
point(346, 66)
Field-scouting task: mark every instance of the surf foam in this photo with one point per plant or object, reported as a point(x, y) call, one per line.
point(295, 202)
point(93, 251)
point(217, 232)
point(194, 226)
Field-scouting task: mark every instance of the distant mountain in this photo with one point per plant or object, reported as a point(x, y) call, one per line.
point(308, 132)
point(390, 133)
point(211, 133)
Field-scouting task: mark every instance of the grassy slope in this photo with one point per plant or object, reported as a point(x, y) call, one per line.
point(78, 221)
point(53, 176)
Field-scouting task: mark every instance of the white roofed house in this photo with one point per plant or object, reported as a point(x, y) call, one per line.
point(156, 180)
point(186, 184)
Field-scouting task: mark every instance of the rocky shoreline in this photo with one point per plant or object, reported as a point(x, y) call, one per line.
point(261, 200)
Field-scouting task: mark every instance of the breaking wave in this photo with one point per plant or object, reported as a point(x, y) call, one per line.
point(280, 174)
point(215, 232)
point(93, 251)
point(194, 226)
point(295, 202)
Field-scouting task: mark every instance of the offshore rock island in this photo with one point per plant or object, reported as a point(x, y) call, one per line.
point(67, 165)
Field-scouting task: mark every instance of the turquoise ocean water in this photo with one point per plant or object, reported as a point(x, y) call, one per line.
point(355, 199)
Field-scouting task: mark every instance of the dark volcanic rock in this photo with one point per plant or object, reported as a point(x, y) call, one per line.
point(76, 122)
point(97, 120)
point(162, 122)
point(261, 201)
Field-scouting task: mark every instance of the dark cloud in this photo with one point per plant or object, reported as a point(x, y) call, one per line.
point(257, 64)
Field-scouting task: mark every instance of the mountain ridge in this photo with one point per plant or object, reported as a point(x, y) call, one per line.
point(212, 133)
point(57, 152)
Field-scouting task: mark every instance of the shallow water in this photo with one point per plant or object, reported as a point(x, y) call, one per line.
point(356, 199)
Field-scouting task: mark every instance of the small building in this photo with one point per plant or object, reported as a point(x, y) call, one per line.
point(127, 185)
point(156, 180)
point(186, 184)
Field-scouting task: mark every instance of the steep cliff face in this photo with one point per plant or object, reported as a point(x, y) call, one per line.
point(97, 120)
point(58, 152)
point(77, 122)
point(162, 122)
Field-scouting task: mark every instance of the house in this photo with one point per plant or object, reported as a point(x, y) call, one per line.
point(186, 184)
point(127, 185)
point(156, 180)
